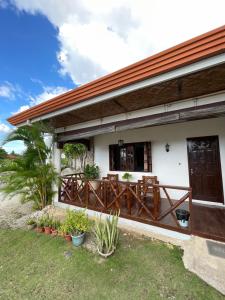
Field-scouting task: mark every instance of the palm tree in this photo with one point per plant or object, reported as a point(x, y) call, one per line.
point(30, 175)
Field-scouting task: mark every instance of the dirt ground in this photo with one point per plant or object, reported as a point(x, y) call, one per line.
point(13, 214)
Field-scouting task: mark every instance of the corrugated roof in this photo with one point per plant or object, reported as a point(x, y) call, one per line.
point(195, 49)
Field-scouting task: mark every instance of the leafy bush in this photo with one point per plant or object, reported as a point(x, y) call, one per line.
point(76, 223)
point(91, 172)
point(107, 234)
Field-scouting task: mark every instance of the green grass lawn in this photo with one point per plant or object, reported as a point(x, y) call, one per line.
point(34, 266)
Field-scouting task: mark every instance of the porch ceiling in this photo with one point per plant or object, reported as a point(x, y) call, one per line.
point(190, 86)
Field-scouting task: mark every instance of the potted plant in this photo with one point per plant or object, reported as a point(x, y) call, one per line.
point(107, 235)
point(91, 172)
point(55, 227)
point(31, 223)
point(79, 225)
point(47, 224)
point(182, 217)
point(65, 231)
point(127, 176)
point(40, 225)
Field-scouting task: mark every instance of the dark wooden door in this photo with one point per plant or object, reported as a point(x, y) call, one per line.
point(204, 168)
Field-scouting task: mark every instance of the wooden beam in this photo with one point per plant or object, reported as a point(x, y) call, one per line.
point(196, 113)
point(86, 134)
point(120, 105)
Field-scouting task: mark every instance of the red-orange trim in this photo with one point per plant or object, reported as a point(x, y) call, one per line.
point(203, 46)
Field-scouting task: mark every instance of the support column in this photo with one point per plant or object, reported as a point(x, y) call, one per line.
point(56, 160)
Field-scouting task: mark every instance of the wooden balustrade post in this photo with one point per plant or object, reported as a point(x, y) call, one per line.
point(156, 201)
point(86, 192)
point(72, 188)
point(190, 210)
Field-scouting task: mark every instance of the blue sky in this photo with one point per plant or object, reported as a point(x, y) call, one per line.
point(28, 62)
point(49, 47)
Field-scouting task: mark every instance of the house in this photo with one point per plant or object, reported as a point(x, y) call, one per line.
point(163, 116)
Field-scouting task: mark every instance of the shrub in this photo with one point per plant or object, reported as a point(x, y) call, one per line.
point(76, 223)
point(91, 172)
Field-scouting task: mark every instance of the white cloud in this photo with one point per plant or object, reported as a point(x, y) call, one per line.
point(49, 92)
point(98, 37)
point(21, 109)
point(4, 128)
point(7, 90)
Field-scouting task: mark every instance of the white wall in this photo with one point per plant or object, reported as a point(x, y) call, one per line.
point(170, 167)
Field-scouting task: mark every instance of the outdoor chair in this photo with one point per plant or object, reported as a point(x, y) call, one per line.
point(145, 190)
point(111, 177)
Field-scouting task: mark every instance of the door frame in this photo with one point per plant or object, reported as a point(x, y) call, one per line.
point(220, 169)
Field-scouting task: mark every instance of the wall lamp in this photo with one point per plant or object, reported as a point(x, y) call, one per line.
point(167, 147)
point(120, 143)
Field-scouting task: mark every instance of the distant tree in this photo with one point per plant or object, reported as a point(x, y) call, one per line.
point(13, 152)
point(73, 152)
point(3, 153)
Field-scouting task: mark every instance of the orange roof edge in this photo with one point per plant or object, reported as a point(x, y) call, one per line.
point(197, 48)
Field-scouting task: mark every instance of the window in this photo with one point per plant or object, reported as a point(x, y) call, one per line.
point(134, 157)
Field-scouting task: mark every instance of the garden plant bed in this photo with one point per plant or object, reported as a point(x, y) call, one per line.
point(49, 268)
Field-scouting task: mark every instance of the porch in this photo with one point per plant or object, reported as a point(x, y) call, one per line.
point(156, 209)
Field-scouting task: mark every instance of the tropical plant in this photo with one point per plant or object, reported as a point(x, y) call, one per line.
point(107, 234)
point(64, 229)
point(56, 224)
point(40, 222)
point(127, 176)
point(73, 152)
point(91, 172)
point(76, 222)
point(30, 175)
point(47, 220)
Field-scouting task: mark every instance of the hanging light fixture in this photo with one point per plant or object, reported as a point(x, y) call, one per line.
point(120, 143)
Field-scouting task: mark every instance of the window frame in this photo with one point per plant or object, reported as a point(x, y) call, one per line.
point(114, 150)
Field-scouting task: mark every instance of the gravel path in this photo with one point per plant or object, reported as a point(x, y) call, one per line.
point(13, 214)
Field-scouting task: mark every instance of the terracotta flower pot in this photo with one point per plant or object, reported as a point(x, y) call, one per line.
point(68, 237)
point(48, 230)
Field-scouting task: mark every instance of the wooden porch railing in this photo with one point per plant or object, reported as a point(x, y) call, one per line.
point(156, 208)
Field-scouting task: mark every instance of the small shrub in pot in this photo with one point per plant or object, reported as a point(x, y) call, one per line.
point(79, 225)
point(55, 227)
point(40, 225)
point(91, 172)
point(48, 224)
point(127, 176)
point(65, 231)
point(107, 235)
